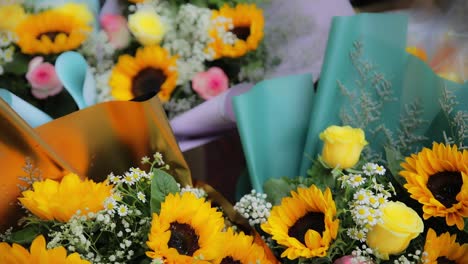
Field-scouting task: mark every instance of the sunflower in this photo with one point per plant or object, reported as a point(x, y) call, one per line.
point(240, 248)
point(437, 178)
point(444, 249)
point(187, 230)
point(51, 199)
point(151, 71)
point(304, 223)
point(39, 254)
point(53, 31)
point(247, 27)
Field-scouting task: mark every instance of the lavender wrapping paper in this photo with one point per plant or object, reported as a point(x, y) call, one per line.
point(296, 31)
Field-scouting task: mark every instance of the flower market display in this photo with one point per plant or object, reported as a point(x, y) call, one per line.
point(182, 52)
point(369, 164)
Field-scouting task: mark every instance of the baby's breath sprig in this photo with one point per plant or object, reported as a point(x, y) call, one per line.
point(254, 207)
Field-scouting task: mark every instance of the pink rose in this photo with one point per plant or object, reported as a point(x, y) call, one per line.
point(352, 260)
point(210, 83)
point(116, 29)
point(43, 79)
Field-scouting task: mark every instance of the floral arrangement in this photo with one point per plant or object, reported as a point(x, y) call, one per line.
point(31, 41)
point(351, 210)
point(138, 217)
point(184, 53)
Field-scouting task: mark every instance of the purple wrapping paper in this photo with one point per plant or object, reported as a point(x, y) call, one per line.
point(296, 31)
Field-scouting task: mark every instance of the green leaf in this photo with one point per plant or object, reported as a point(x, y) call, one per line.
point(162, 185)
point(25, 235)
point(18, 66)
point(394, 158)
point(323, 177)
point(276, 189)
point(466, 225)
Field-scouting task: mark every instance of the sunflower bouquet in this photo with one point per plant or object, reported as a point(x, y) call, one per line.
point(32, 37)
point(138, 217)
point(63, 57)
point(183, 52)
point(351, 210)
point(370, 168)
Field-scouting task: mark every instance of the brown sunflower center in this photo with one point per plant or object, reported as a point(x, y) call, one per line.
point(312, 220)
point(444, 260)
point(445, 186)
point(148, 81)
point(51, 35)
point(183, 239)
point(241, 32)
point(229, 260)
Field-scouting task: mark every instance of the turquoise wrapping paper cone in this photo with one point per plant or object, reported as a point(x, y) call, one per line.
point(369, 81)
point(272, 121)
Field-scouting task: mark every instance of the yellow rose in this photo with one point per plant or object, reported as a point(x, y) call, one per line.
point(80, 11)
point(11, 16)
point(147, 27)
point(400, 224)
point(342, 146)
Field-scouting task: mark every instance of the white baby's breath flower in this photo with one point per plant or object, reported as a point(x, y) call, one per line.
point(254, 207)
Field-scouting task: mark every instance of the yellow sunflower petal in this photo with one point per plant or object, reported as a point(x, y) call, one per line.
point(51, 32)
point(128, 68)
point(305, 201)
point(441, 165)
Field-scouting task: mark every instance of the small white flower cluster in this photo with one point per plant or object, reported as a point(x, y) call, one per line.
point(199, 193)
point(188, 37)
point(130, 177)
point(368, 197)
point(365, 210)
point(362, 255)
point(411, 258)
point(7, 50)
point(223, 27)
point(254, 207)
point(373, 169)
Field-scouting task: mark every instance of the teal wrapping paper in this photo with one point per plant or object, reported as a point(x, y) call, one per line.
point(272, 123)
point(368, 80)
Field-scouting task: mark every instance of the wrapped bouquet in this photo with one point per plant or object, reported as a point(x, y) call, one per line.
point(372, 168)
point(83, 200)
point(129, 50)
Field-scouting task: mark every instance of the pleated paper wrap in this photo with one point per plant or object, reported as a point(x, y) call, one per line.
point(108, 137)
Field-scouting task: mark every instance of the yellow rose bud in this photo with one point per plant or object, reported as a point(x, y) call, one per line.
point(400, 224)
point(342, 146)
point(147, 27)
point(11, 16)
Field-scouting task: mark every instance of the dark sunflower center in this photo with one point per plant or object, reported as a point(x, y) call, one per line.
point(51, 35)
point(229, 260)
point(445, 186)
point(183, 238)
point(241, 32)
point(444, 260)
point(148, 81)
point(312, 220)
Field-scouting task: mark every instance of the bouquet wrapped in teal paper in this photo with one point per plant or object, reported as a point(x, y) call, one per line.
point(370, 168)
